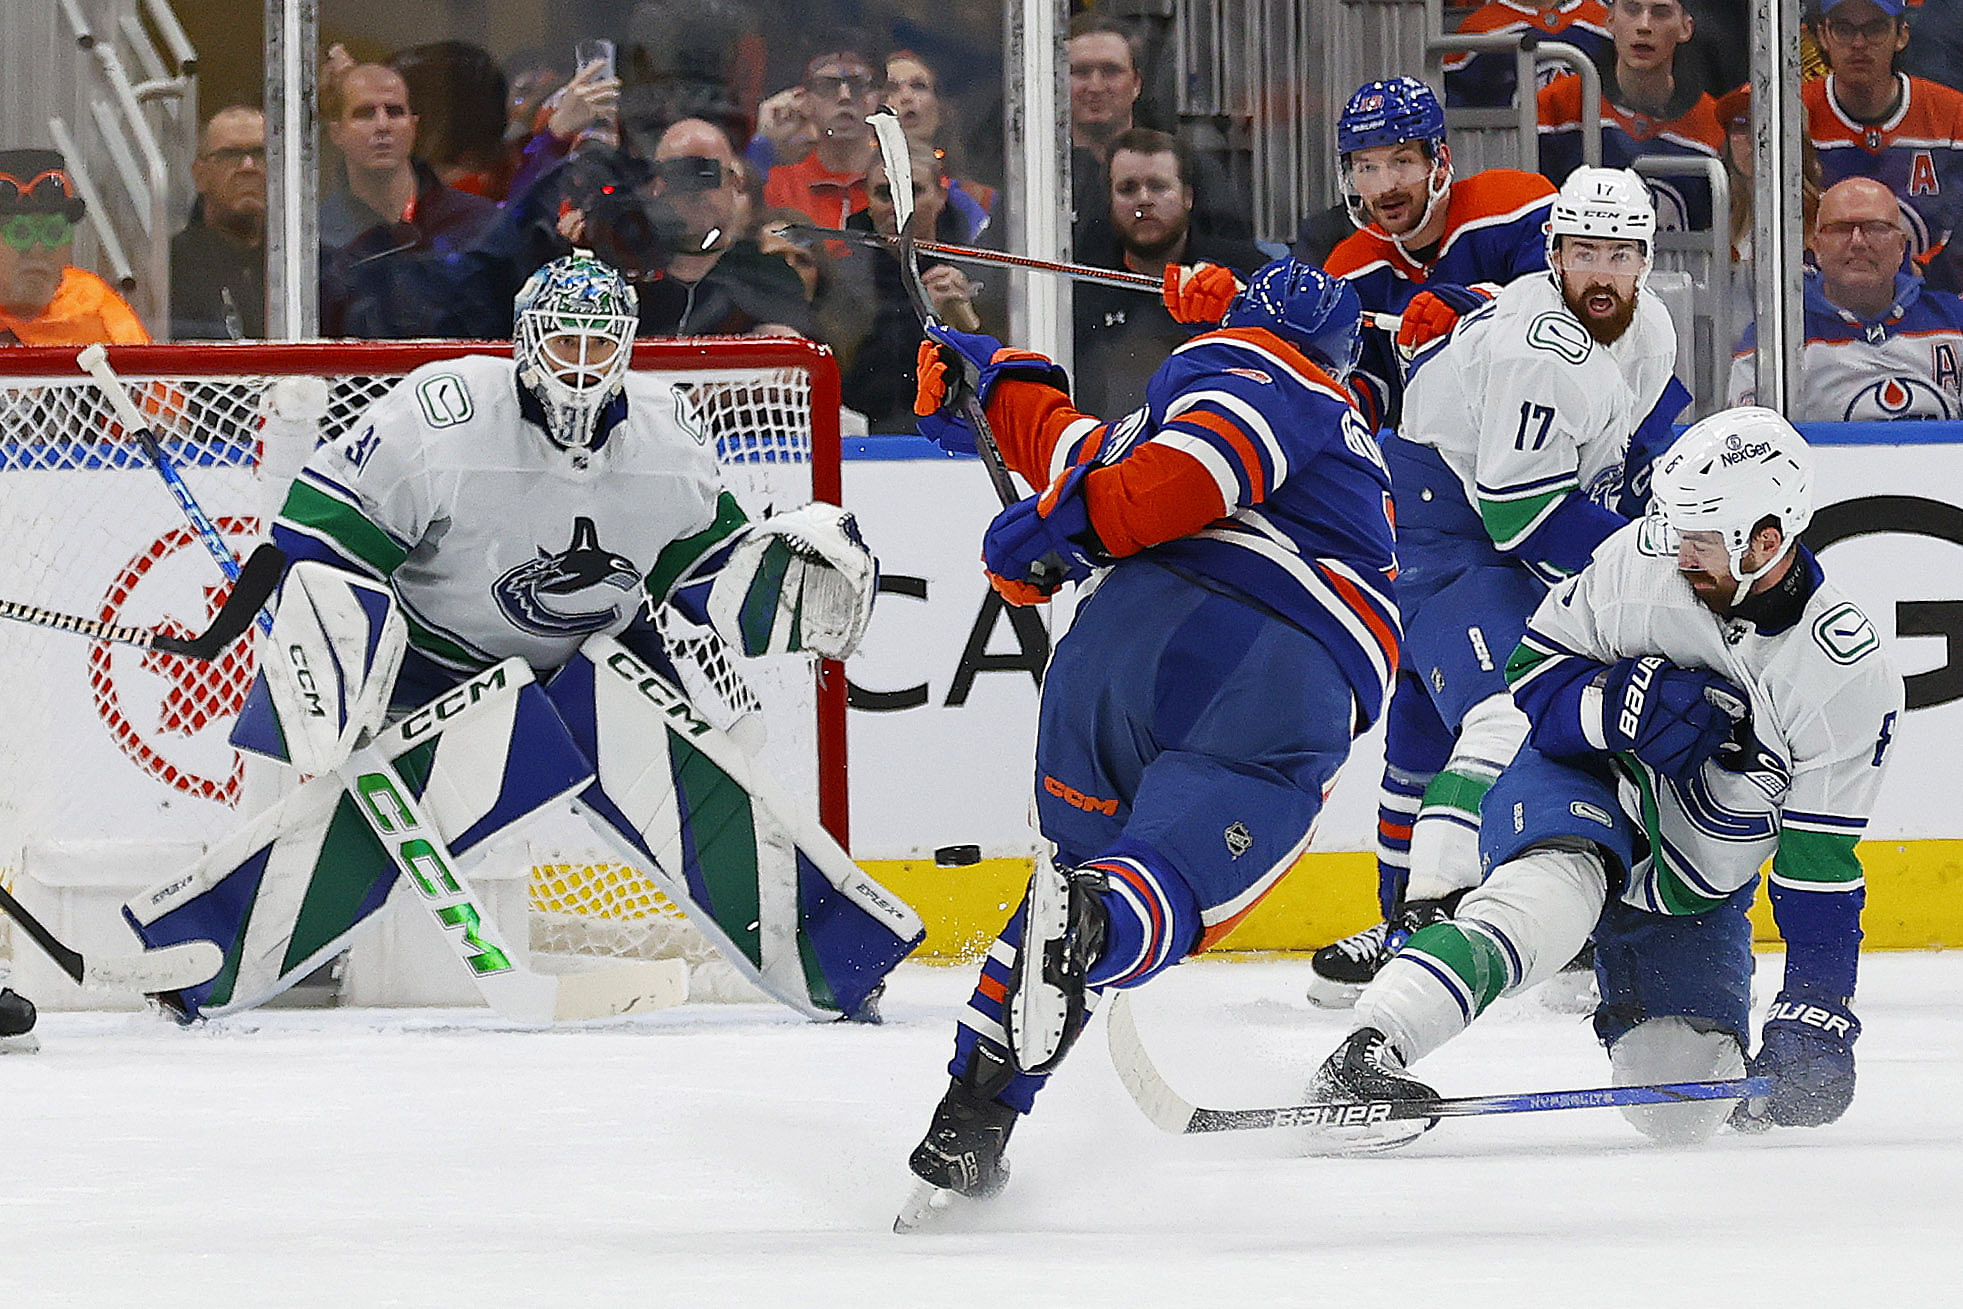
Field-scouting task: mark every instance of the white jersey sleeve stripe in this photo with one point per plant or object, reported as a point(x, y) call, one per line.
point(1064, 452)
point(1209, 457)
point(1251, 420)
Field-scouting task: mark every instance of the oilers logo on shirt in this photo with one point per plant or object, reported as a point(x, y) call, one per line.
point(579, 590)
point(1889, 398)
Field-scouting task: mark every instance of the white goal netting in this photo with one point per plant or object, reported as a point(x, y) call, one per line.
point(118, 772)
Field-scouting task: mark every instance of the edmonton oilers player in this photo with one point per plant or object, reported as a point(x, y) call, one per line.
point(1428, 246)
point(1209, 687)
point(1702, 698)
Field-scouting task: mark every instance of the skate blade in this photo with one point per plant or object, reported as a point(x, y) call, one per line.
point(1325, 993)
point(925, 1206)
point(25, 1043)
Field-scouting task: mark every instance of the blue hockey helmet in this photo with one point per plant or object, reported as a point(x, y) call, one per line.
point(1394, 110)
point(1316, 313)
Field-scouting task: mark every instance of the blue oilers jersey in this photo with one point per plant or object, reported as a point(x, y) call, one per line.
point(1917, 153)
point(1908, 363)
point(1494, 224)
point(1691, 131)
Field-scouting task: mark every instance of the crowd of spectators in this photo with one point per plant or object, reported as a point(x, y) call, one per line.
point(739, 207)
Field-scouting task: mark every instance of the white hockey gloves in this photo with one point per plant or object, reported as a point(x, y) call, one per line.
point(331, 662)
point(798, 581)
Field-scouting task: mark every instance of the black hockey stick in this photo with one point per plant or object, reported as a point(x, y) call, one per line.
point(1172, 1112)
point(149, 971)
point(899, 180)
point(257, 581)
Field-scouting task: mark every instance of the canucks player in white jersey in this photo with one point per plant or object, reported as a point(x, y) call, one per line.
point(1507, 471)
point(536, 509)
point(1702, 698)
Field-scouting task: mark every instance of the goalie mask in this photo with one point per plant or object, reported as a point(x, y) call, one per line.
point(1727, 474)
point(572, 339)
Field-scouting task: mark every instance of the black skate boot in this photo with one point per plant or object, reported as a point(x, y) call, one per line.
point(1341, 969)
point(1365, 1068)
point(961, 1155)
point(1063, 929)
point(17, 1023)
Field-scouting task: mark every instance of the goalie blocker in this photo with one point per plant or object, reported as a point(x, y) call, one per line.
point(675, 795)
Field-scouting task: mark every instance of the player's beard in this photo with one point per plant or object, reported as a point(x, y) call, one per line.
point(1606, 328)
point(1155, 250)
point(1712, 591)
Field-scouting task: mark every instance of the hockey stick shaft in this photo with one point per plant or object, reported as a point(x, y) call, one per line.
point(147, 971)
point(899, 173)
point(94, 360)
point(1173, 1113)
point(1140, 282)
point(249, 594)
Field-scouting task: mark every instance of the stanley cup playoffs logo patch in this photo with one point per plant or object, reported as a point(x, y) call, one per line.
point(580, 590)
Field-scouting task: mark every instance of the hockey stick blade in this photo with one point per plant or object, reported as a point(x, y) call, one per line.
point(257, 581)
point(1172, 1112)
point(148, 971)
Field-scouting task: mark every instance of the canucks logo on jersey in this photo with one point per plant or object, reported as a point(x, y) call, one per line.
point(577, 591)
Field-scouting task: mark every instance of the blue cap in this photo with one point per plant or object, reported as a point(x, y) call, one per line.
point(1893, 8)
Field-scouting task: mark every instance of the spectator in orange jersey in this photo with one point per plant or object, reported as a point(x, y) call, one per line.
point(1869, 120)
point(1486, 80)
point(44, 300)
point(842, 81)
point(1652, 104)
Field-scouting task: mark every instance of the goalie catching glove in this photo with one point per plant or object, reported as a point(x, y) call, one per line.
point(798, 582)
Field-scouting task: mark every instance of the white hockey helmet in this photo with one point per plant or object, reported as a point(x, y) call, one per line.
point(572, 339)
point(1610, 204)
point(1730, 472)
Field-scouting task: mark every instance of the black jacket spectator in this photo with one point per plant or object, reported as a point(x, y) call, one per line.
point(217, 284)
point(745, 290)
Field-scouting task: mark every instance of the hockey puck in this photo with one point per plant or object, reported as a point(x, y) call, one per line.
point(957, 856)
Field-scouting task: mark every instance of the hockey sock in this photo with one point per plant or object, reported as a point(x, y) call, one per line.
point(1433, 988)
point(1154, 918)
point(983, 1021)
point(1398, 801)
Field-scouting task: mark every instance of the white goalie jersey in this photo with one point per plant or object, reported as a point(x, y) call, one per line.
point(1825, 701)
point(497, 541)
point(1525, 407)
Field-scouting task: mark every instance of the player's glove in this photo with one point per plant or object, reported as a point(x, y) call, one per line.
point(1433, 312)
point(1671, 718)
point(951, 365)
point(1807, 1049)
point(1042, 541)
point(1198, 293)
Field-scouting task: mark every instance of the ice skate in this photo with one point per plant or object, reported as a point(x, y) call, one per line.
point(1340, 970)
point(960, 1159)
point(1063, 930)
point(17, 1023)
point(1367, 1068)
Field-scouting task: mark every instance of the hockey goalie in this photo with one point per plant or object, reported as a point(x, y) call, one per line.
point(463, 639)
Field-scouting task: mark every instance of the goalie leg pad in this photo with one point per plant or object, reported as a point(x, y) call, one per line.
point(764, 883)
point(799, 581)
point(284, 893)
point(330, 662)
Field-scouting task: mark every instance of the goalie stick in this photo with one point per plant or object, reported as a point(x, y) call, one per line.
point(1075, 272)
point(94, 361)
point(147, 971)
point(1172, 1112)
point(254, 586)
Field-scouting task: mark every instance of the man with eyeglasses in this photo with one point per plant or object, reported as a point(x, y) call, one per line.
point(1881, 344)
point(45, 300)
point(840, 88)
point(218, 262)
point(1867, 119)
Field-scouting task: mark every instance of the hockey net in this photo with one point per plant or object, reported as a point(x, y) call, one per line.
point(118, 771)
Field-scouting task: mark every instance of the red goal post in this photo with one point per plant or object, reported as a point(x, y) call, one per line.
point(117, 757)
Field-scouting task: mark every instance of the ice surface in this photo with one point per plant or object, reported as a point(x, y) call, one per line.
point(737, 1155)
